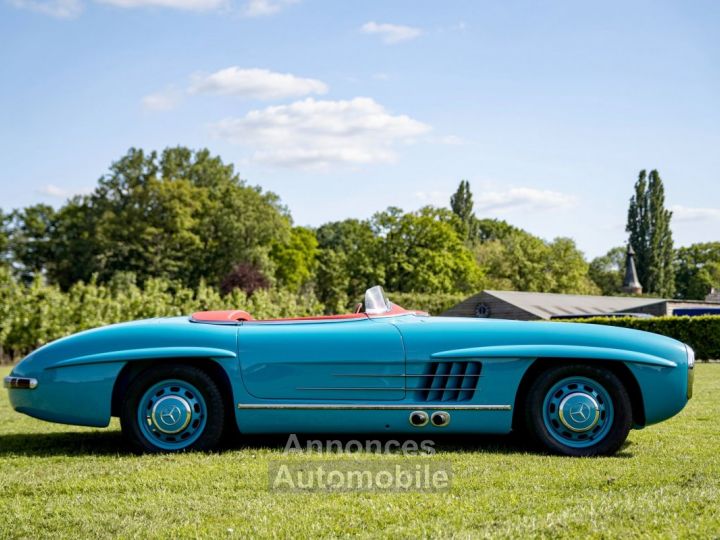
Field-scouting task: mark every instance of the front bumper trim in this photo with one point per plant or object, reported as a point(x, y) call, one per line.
point(25, 383)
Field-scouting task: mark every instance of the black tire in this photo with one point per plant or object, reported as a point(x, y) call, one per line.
point(610, 438)
point(210, 414)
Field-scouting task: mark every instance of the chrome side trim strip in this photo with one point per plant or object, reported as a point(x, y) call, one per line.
point(332, 388)
point(409, 375)
point(25, 383)
point(364, 407)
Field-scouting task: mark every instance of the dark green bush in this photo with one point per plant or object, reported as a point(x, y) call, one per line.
point(701, 333)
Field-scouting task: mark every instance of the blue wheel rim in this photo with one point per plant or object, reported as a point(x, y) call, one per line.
point(172, 414)
point(578, 412)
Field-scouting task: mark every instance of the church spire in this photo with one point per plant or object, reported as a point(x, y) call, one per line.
point(631, 284)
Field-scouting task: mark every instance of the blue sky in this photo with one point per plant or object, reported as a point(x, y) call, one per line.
point(549, 109)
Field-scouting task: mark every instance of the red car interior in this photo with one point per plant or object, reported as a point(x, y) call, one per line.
point(236, 315)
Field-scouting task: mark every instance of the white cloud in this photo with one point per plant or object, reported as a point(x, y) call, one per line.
point(522, 198)
point(435, 198)
point(188, 5)
point(62, 9)
point(314, 133)
point(686, 213)
point(255, 83)
point(263, 8)
point(164, 100)
point(391, 33)
point(51, 190)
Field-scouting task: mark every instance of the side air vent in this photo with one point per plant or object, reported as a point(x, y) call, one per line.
point(449, 381)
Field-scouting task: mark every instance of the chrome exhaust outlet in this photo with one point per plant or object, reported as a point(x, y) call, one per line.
point(418, 418)
point(440, 418)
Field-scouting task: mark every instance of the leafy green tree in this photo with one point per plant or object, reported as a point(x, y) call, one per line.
point(650, 236)
point(422, 252)
point(568, 268)
point(521, 261)
point(494, 229)
point(30, 239)
point(4, 239)
point(608, 271)
point(695, 266)
point(181, 215)
point(295, 260)
point(77, 251)
point(461, 202)
point(348, 262)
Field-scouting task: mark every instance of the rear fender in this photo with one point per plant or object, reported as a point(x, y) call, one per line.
point(154, 353)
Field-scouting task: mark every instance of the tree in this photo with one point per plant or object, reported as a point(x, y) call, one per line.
point(608, 271)
point(648, 224)
point(30, 240)
point(4, 239)
point(422, 252)
point(246, 277)
point(494, 229)
point(521, 261)
point(461, 203)
point(295, 260)
point(349, 262)
point(694, 270)
point(182, 215)
point(568, 268)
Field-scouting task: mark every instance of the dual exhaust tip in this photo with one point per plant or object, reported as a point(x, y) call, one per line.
point(421, 419)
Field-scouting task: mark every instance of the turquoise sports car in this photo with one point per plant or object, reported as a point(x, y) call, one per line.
point(180, 383)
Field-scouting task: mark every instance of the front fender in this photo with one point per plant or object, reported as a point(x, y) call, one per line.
point(557, 351)
point(78, 395)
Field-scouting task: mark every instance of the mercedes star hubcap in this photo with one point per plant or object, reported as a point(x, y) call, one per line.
point(171, 414)
point(579, 412)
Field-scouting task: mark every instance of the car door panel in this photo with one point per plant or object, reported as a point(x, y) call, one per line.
point(322, 360)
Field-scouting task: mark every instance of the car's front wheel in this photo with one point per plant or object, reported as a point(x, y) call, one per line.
point(171, 409)
point(578, 410)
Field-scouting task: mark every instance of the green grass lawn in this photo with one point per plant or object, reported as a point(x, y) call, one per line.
point(61, 481)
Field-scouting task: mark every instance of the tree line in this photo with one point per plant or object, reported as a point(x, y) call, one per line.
point(187, 218)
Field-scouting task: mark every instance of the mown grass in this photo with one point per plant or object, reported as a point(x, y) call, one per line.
point(58, 481)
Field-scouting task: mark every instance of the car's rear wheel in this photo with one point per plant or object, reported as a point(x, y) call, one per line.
point(578, 410)
point(172, 409)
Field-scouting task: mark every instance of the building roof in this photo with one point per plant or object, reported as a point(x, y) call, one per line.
point(546, 305)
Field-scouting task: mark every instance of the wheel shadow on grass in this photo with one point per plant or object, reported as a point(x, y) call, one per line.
point(108, 442)
point(111, 442)
point(512, 444)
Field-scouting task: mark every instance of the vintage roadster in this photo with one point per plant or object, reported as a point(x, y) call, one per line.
point(180, 383)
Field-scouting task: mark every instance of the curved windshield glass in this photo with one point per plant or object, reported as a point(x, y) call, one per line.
point(376, 301)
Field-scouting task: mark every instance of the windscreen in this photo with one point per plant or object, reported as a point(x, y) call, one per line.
point(376, 301)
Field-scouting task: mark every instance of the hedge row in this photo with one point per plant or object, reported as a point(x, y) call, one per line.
point(701, 333)
point(32, 315)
